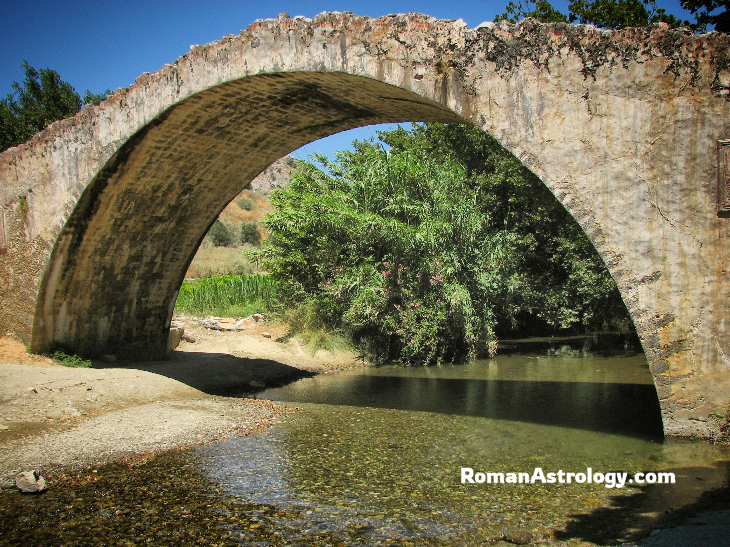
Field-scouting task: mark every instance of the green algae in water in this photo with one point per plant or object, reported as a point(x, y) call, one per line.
point(161, 502)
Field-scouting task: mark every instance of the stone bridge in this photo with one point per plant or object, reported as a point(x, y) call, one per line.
point(103, 212)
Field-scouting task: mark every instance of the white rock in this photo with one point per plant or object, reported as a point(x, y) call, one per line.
point(30, 482)
point(487, 24)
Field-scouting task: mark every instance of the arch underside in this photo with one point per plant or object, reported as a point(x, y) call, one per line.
point(111, 284)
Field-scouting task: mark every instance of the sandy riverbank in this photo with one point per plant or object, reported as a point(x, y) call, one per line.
point(56, 418)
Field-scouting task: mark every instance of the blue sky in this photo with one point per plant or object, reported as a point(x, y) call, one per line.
point(100, 45)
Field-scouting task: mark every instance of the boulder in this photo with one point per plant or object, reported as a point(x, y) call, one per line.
point(30, 482)
point(177, 330)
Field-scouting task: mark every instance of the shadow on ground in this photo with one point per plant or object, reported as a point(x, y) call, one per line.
point(219, 373)
point(628, 520)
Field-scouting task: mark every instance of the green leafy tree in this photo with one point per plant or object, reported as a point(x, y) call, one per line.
point(250, 233)
point(427, 251)
point(96, 98)
point(620, 13)
point(602, 13)
point(541, 10)
point(40, 100)
point(220, 235)
point(706, 12)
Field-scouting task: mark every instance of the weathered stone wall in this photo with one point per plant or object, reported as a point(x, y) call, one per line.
point(105, 210)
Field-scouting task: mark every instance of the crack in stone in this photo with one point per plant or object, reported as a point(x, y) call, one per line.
point(674, 222)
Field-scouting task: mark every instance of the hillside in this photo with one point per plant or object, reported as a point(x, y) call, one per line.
point(250, 206)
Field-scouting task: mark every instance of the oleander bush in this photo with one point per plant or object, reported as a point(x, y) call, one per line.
point(426, 244)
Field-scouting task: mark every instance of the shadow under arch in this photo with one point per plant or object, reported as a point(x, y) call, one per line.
point(112, 280)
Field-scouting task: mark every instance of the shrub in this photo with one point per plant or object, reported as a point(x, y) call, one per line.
point(220, 235)
point(424, 252)
point(70, 360)
point(245, 204)
point(250, 233)
point(721, 420)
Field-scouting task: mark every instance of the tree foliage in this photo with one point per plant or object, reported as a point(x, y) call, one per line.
point(613, 14)
point(42, 99)
point(95, 98)
point(250, 233)
point(542, 10)
point(706, 12)
point(428, 250)
point(220, 235)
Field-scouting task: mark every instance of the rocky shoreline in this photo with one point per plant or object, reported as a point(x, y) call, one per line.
point(59, 419)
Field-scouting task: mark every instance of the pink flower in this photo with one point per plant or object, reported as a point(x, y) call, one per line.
point(438, 263)
point(398, 331)
point(386, 273)
point(413, 341)
point(399, 282)
point(431, 280)
point(418, 276)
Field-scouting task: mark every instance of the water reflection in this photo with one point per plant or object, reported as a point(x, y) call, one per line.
point(599, 394)
point(375, 454)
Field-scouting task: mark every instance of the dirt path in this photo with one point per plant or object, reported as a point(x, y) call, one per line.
point(56, 418)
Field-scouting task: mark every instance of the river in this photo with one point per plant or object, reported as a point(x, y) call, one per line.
point(375, 456)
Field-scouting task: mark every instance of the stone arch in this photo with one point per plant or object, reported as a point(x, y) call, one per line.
point(113, 275)
point(621, 126)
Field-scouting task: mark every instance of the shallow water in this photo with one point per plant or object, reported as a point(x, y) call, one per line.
point(375, 454)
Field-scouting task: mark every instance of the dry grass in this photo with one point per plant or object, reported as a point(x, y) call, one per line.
point(235, 215)
point(215, 261)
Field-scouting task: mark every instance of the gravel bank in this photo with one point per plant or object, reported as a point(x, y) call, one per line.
point(57, 419)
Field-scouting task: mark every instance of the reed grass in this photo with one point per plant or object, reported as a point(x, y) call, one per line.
point(227, 296)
